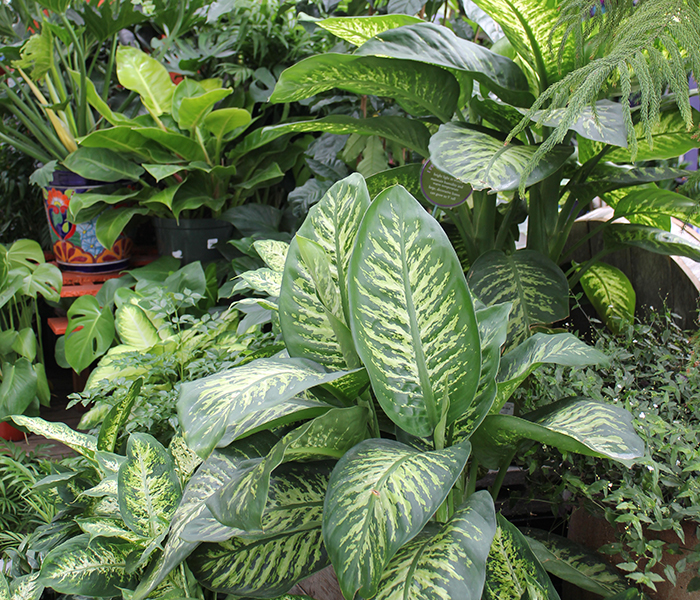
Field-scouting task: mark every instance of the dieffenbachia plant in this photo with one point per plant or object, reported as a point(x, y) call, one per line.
point(478, 98)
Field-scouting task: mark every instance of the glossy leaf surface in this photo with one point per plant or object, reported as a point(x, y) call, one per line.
point(611, 294)
point(140, 73)
point(102, 164)
point(357, 30)
point(82, 443)
point(651, 239)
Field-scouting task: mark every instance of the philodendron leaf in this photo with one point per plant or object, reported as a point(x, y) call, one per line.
point(111, 223)
point(332, 224)
point(482, 160)
point(381, 495)
point(140, 73)
point(242, 502)
point(412, 316)
point(651, 239)
point(102, 164)
point(559, 349)
point(357, 30)
point(534, 284)
point(194, 109)
point(611, 294)
point(512, 569)
point(216, 410)
point(149, 489)
point(449, 562)
point(86, 567)
point(90, 332)
point(570, 425)
point(82, 443)
point(116, 418)
point(45, 280)
point(575, 563)
point(420, 89)
point(18, 389)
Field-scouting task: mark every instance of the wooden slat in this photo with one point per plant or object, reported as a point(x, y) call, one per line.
point(58, 324)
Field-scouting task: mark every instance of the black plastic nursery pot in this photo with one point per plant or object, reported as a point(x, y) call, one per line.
point(191, 239)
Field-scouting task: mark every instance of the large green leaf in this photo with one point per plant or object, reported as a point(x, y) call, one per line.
point(332, 224)
point(449, 562)
point(412, 316)
point(381, 495)
point(575, 563)
point(570, 425)
point(225, 120)
point(144, 75)
point(45, 280)
point(485, 162)
point(175, 142)
point(512, 569)
point(111, 223)
point(607, 177)
point(102, 164)
point(534, 284)
point(86, 567)
point(194, 110)
point(435, 45)
point(611, 294)
point(419, 88)
point(242, 502)
point(651, 239)
point(18, 389)
point(654, 201)
point(216, 410)
point(149, 489)
point(559, 349)
point(407, 132)
point(82, 443)
point(120, 139)
point(357, 30)
point(89, 333)
point(134, 327)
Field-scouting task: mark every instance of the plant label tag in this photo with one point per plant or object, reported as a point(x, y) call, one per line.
point(211, 243)
point(442, 189)
point(177, 253)
point(508, 409)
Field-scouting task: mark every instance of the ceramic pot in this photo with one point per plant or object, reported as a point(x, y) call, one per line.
point(76, 247)
point(191, 239)
point(9, 433)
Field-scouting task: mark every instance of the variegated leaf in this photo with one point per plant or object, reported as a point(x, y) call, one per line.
point(419, 89)
point(512, 569)
point(485, 163)
point(4, 588)
point(107, 487)
point(558, 349)
point(87, 567)
point(449, 562)
point(149, 489)
point(333, 225)
point(407, 176)
point(109, 462)
point(435, 45)
point(214, 472)
point(26, 587)
point(357, 30)
point(570, 425)
point(650, 239)
point(653, 201)
point(263, 280)
point(242, 502)
point(381, 495)
point(82, 443)
point(134, 327)
point(218, 409)
point(273, 252)
point(186, 461)
point(116, 418)
point(575, 563)
point(412, 316)
point(107, 527)
point(534, 284)
point(611, 294)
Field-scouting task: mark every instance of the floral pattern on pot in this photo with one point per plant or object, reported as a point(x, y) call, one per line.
point(56, 205)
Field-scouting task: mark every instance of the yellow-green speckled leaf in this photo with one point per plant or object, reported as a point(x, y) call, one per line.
point(149, 489)
point(134, 327)
point(82, 443)
point(26, 587)
point(332, 224)
point(107, 527)
point(216, 410)
point(381, 495)
point(273, 252)
point(512, 569)
point(612, 295)
point(571, 425)
point(444, 563)
point(412, 320)
point(263, 280)
point(650, 239)
point(4, 588)
point(357, 30)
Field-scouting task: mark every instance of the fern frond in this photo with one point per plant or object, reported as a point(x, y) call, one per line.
point(657, 42)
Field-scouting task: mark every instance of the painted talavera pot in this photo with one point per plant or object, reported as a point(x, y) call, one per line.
point(75, 246)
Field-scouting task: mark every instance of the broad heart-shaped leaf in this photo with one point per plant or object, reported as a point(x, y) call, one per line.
point(102, 164)
point(218, 409)
point(559, 349)
point(534, 284)
point(410, 133)
point(144, 75)
point(45, 280)
point(116, 418)
point(90, 332)
point(570, 425)
point(87, 567)
point(611, 294)
point(332, 224)
point(575, 563)
point(529, 25)
point(449, 562)
point(242, 502)
point(357, 30)
point(512, 569)
point(651, 239)
point(19, 387)
point(482, 160)
point(134, 327)
point(412, 316)
point(149, 490)
point(82, 443)
point(654, 201)
point(420, 89)
point(381, 495)
point(435, 45)
point(211, 475)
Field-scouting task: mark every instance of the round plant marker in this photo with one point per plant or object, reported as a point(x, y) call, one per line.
point(442, 189)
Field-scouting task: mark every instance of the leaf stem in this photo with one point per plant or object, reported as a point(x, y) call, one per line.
point(496, 488)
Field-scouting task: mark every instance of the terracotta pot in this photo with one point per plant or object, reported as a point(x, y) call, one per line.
point(594, 532)
point(9, 433)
